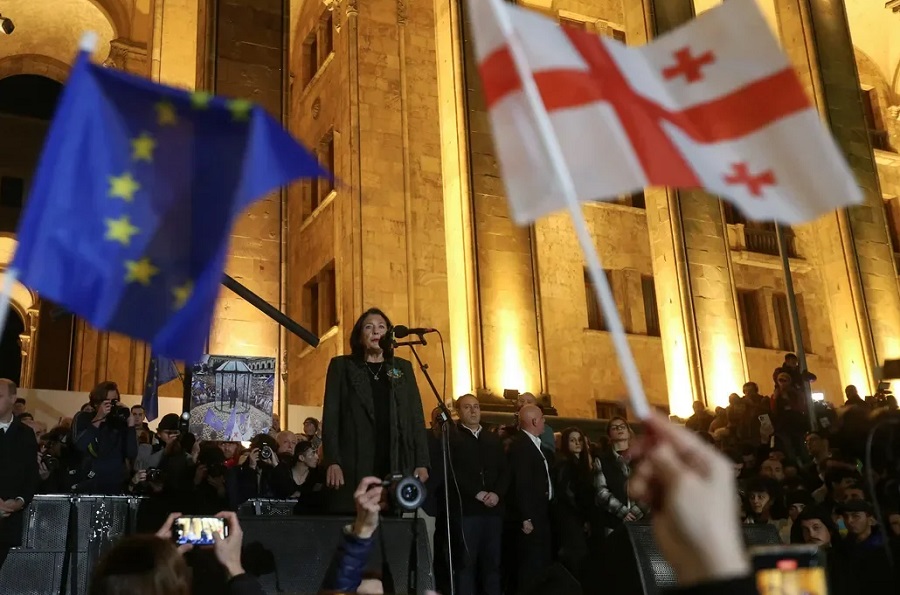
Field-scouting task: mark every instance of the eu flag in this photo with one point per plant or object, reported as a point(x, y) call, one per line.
point(134, 198)
point(160, 371)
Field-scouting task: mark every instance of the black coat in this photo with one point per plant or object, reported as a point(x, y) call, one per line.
point(530, 484)
point(348, 423)
point(479, 465)
point(18, 477)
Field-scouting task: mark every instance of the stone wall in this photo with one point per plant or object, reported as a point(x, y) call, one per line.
point(248, 64)
point(383, 225)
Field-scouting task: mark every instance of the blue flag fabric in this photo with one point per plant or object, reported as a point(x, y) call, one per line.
point(160, 371)
point(134, 198)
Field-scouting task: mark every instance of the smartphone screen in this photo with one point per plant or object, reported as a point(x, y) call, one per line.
point(198, 530)
point(789, 570)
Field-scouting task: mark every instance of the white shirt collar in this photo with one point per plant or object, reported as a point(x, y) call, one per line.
point(4, 425)
point(476, 431)
point(535, 439)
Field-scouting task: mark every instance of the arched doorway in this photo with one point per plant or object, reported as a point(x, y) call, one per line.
point(10, 350)
point(27, 104)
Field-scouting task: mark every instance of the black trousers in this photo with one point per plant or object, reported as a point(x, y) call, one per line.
point(535, 553)
point(4, 552)
point(479, 568)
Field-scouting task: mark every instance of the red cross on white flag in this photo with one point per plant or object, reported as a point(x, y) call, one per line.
point(713, 104)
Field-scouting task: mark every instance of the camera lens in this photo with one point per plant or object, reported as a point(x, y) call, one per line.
point(409, 493)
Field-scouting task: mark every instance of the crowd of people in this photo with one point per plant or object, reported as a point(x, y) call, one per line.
point(525, 500)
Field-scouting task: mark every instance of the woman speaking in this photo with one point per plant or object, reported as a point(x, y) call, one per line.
point(372, 421)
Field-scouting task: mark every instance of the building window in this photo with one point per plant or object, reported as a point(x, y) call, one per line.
point(890, 216)
point(327, 28)
point(635, 200)
point(751, 318)
point(877, 134)
point(317, 190)
point(596, 322)
point(602, 28)
point(12, 192)
point(783, 328)
point(610, 409)
point(318, 46)
point(651, 311)
point(732, 215)
point(573, 23)
point(320, 301)
point(784, 336)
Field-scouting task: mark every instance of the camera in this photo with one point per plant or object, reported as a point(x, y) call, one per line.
point(50, 462)
point(265, 452)
point(118, 413)
point(406, 492)
point(154, 475)
point(216, 469)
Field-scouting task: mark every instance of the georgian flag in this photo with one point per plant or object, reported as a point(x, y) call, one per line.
point(714, 104)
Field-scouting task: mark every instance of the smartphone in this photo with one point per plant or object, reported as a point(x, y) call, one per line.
point(789, 570)
point(198, 530)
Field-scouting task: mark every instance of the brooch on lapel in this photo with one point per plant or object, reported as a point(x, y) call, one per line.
point(394, 373)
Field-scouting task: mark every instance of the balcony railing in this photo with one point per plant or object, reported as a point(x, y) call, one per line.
point(764, 241)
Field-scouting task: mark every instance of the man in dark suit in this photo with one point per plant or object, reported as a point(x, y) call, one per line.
point(530, 501)
point(18, 470)
point(479, 465)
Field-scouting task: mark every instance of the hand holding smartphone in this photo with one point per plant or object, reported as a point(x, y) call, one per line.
point(789, 570)
point(198, 530)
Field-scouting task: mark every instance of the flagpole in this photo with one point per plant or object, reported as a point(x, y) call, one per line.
point(9, 279)
point(567, 186)
point(795, 320)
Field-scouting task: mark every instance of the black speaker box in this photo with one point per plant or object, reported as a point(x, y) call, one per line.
point(634, 566)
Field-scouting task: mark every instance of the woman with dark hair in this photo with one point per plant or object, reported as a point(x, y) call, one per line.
point(611, 478)
point(301, 478)
point(372, 419)
point(575, 509)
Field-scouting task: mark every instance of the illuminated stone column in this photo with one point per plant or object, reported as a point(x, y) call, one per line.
point(505, 282)
point(856, 257)
point(464, 331)
point(699, 324)
point(27, 341)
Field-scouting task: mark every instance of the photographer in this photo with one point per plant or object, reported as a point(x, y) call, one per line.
point(209, 494)
point(105, 438)
point(52, 467)
point(253, 478)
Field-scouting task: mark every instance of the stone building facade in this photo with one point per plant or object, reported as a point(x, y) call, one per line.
point(386, 92)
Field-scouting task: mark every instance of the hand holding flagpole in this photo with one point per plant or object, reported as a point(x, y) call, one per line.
point(567, 186)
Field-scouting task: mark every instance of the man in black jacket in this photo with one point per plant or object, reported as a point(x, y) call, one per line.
point(479, 464)
point(18, 470)
point(530, 500)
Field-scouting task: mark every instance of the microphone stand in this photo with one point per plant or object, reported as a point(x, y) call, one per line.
point(445, 450)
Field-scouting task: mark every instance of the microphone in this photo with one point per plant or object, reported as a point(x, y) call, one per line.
point(401, 331)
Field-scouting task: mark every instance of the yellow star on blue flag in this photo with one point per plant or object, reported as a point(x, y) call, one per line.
point(134, 198)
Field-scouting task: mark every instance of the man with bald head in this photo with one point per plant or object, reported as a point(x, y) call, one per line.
point(548, 441)
point(18, 469)
point(532, 492)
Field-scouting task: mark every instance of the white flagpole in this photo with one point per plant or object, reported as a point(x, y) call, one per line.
point(9, 278)
point(564, 176)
